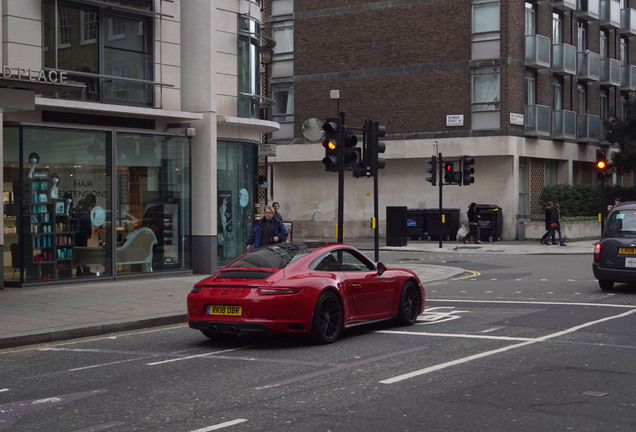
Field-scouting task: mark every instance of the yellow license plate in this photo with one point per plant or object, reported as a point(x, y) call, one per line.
point(627, 251)
point(225, 310)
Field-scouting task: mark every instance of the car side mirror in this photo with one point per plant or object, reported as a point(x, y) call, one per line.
point(381, 268)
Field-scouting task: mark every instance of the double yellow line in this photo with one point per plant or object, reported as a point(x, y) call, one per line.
point(467, 275)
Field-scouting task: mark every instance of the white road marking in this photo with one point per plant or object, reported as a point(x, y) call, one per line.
point(441, 366)
point(533, 302)
point(453, 335)
point(4, 390)
point(207, 354)
point(221, 425)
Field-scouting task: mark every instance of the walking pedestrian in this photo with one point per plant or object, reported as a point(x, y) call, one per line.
point(473, 223)
point(267, 230)
point(547, 216)
point(556, 223)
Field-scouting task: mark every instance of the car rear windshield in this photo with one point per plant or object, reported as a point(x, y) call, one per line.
point(622, 222)
point(273, 256)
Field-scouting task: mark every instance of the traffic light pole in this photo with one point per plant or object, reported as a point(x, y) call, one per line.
point(340, 227)
point(376, 237)
point(441, 228)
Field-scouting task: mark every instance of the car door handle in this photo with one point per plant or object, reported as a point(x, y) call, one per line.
point(356, 286)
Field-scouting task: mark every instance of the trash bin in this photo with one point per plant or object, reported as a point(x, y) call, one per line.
point(396, 226)
point(491, 222)
point(449, 227)
point(415, 224)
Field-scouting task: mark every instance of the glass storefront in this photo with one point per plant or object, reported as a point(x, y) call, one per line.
point(235, 203)
point(86, 203)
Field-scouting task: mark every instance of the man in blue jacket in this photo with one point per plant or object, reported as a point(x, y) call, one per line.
point(268, 230)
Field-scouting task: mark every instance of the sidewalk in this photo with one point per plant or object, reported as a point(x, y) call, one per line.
point(43, 314)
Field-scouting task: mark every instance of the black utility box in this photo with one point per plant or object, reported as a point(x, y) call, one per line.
point(396, 226)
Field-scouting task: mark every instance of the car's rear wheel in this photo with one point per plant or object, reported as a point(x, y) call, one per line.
point(606, 285)
point(410, 302)
point(327, 322)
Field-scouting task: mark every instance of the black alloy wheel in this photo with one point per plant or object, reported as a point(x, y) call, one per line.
point(409, 306)
point(327, 322)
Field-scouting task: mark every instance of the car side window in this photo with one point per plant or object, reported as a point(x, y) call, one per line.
point(343, 260)
point(328, 263)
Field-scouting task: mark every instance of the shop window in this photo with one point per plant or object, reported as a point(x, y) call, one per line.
point(235, 198)
point(62, 219)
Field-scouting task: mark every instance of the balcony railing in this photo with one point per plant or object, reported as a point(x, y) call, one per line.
point(588, 128)
point(537, 51)
point(628, 22)
point(610, 14)
point(588, 66)
point(537, 120)
point(564, 59)
point(564, 125)
point(628, 78)
point(588, 9)
point(564, 5)
point(610, 72)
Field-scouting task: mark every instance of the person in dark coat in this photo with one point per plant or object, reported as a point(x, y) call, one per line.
point(547, 218)
point(268, 230)
point(554, 219)
point(473, 223)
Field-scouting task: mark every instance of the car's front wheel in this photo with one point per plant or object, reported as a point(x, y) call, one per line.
point(327, 322)
point(410, 302)
point(606, 285)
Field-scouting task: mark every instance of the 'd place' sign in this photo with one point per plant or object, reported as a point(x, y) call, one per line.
point(27, 74)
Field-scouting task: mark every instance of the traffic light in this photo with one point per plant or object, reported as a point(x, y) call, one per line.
point(376, 146)
point(468, 170)
point(601, 161)
point(352, 154)
point(449, 171)
point(433, 170)
point(603, 166)
point(331, 143)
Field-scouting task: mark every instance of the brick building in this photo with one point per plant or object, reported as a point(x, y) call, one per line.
point(520, 86)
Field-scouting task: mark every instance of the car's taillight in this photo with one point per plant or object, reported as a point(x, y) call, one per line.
point(197, 288)
point(597, 251)
point(277, 291)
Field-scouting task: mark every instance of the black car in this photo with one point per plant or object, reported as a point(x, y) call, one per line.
point(615, 253)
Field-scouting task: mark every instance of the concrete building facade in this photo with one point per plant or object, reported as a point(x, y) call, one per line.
point(520, 86)
point(128, 120)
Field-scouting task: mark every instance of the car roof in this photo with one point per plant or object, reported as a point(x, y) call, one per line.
point(625, 205)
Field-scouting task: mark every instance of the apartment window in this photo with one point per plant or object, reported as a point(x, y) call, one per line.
point(108, 47)
point(604, 104)
point(486, 91)
point(624, 52)
point(90, 26)
point(248, 68)
point(557, 95)
point(582, 90)
point(557, 29)
point(64, 28)
point(283, 34)
point(283, 109)
point(581, 39)
point(530, 27)
point(485, 20)
point(623, 107)
point(531, 88)
point(604, 44)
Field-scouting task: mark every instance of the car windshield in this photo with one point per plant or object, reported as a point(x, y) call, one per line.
point(273, 256)
point(622, 222)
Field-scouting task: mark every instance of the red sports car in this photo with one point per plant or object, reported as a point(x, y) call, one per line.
point(290, 288)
